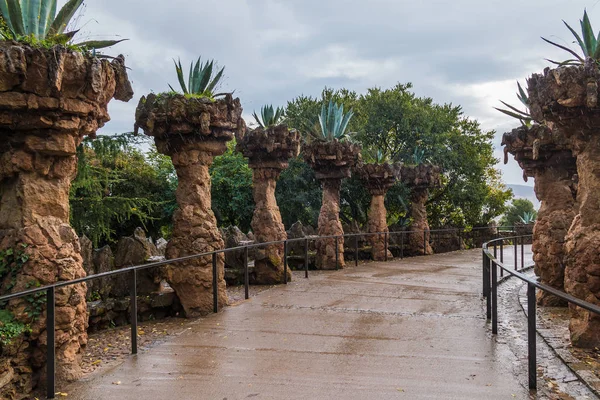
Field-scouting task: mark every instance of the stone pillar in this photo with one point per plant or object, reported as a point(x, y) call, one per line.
point(418, 238)
point(555, 189)
point(49, 101)
point(267, 226)
point(378, 223)
point(192, 131)
point(582, 273)
point(330, 225)
point(195, 231)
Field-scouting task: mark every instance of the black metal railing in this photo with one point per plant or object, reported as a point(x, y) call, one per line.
point(50, 290)
point(491, 263)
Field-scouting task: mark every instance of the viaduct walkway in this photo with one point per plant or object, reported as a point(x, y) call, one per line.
point(405, 329)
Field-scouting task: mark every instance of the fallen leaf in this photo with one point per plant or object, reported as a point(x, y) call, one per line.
point(116, 383)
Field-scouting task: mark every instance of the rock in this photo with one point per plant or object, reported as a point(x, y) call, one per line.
point(88, 265)
point(136, 250)
point(103, 261)
point(234, 237)
point(161, 246)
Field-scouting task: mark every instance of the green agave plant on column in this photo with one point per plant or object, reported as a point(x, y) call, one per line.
point(268, 149)
point(192, 127)
point(53, 93)
point(332, 156)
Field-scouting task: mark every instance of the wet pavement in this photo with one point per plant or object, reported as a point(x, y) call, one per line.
point(405, 329)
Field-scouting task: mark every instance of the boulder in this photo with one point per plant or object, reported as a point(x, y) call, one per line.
point(137, 250)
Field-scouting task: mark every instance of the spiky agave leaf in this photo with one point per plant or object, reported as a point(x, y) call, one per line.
point(522, 96)
point(332, 122)
point(199, 78)
point(587, 42)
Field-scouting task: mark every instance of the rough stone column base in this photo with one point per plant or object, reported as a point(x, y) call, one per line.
point(330, 225)
point(378, 223)
point(418, 241)
point(554, 188)
point(267, 226)
point(195, 231)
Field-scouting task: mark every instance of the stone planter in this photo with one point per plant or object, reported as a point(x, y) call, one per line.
point(268, 151)
point(332, 162)
point(378, 179)
point(545, 156)
point(419, 178)
point(192, 132)
point(566, 99)
point(49, 101)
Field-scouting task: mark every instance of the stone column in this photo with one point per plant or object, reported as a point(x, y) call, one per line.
point(582, 273)
point(418, 238)
point(566, 100)
point(267, 226)
point(378, 223)
point(195, 231)
point(49, 100)
point(192, 131)
point(330, 225)
point(555, 189)
point(268, 151)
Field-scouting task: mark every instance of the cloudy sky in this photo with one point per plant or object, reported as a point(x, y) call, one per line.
point(467, 52)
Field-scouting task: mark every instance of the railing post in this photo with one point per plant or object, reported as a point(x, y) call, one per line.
point(485, 281)
point(401, 245)
point(424, 244)
point(50, 343)
point(337, 254)
point(516, 249)
point(385, 248)
point(246, 275)
point(285, 266)
point(494, 296)
point(133, 311)
point(214, 284)
point(495, 250)
point(356, 250)
point(502, 251)
point(306, 258)
point(531, 338)
point(522, 252)
point(488, 297)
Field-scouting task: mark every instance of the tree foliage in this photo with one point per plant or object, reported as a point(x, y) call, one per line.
point(119, 187)
point(232, 200)
point(397, 123)
point(517, 209)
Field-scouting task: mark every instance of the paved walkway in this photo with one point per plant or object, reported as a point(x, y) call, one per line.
point(407, 329)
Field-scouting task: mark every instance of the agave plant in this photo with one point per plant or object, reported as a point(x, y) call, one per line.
point(589, 44)
point(200, 80)
point(418, 156)
point(376, 156)
point(269, 116)
point(528, 217)
point(37, 21)
point(514, 112)
point(332, 123)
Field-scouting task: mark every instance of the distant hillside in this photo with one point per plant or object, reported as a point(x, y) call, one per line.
point(525, 192)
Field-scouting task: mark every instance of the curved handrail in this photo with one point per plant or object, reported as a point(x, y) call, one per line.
point(490, 292)
point(558, 293)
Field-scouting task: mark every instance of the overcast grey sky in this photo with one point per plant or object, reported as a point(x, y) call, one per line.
point(467, 52)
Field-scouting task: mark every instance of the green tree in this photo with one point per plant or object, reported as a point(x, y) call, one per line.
point(516, 210)
point(232, 200)
point(396, 122)
point(119, 187)
point(298, 194)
